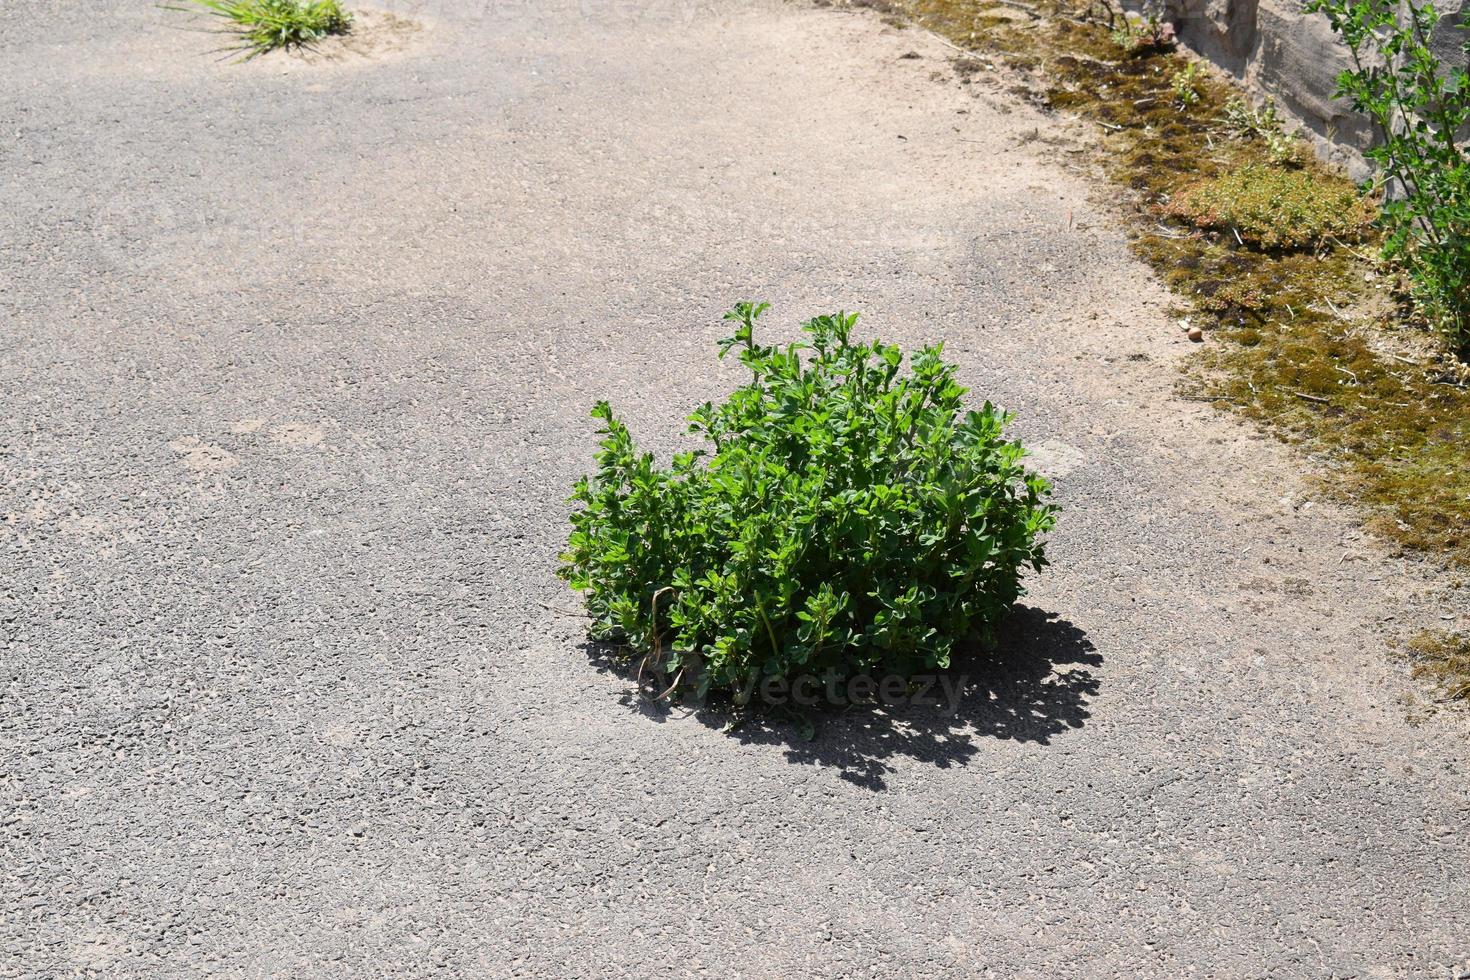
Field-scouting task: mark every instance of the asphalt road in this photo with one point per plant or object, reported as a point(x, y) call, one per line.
point(295, 365)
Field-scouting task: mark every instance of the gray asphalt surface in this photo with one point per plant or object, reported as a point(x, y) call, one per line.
point(295, 368)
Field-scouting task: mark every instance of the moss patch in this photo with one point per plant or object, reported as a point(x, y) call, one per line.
point(1443, 659)
point(1298, 344)
point(1273, 207)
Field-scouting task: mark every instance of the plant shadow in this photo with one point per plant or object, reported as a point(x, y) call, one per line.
point(1035, 685)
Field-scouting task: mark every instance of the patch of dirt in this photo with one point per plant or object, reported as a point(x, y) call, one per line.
point(299, 434)
point(203, 457)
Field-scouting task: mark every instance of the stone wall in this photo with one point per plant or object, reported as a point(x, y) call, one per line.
point(1294, 57)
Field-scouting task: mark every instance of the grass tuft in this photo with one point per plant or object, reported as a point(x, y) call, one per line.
point(264, 25)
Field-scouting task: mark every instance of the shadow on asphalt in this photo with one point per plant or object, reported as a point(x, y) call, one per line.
point(1034, 686)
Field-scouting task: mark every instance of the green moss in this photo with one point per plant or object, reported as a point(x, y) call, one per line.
point(1294, 347)
point(1274, 207)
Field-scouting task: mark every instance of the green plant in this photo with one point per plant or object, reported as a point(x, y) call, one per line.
point(1274, 208)
point(264, 25)
point(1185, 83)
point(841, 517)
point(1149, 33)
point(1244, 121)
point(1419, 106)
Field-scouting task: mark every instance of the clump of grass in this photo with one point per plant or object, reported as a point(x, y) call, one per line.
point(1443, 659)
point(1300, 347)
point(1274, 207)
point(264, 25)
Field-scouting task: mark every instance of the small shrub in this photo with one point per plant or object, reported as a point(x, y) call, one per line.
point(1244, 121)
point(1274, 208)
point(1420, 106)
point(264, 25)
point(841, 517)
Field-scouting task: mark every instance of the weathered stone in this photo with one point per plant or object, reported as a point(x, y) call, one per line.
point(1297, 61)
point(1224, 31)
